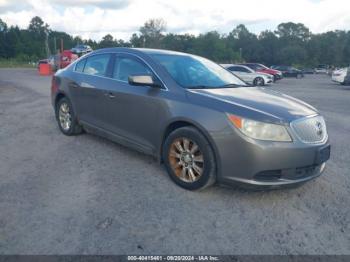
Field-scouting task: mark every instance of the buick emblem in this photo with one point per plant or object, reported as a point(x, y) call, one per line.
point(319, 129)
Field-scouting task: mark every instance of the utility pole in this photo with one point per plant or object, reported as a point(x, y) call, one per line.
point(61, 45)
point(54, 44)
point(47, 43)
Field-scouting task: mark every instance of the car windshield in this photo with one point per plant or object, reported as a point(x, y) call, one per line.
point(254, 66)
point(260, 66)
point(196, 72)
point(248, 69)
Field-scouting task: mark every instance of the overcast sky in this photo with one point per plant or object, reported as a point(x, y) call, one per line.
point(121, 18)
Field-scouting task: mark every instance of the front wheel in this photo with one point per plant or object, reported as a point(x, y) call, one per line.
point(259, 81)
point(66, 119)
point(189, 159)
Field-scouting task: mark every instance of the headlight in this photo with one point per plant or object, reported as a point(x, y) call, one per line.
point(260, 130)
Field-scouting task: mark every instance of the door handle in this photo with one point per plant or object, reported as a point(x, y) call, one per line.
point(74, 85)
point(110, 94)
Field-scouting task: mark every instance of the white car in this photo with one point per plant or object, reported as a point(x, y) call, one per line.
point(81, 49)
point(249, 75)
point(341, 76)
point(321, 69)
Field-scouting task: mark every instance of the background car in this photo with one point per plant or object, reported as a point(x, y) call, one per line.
point(321, 69)
point(67, 57)
point(341, 76)
point(81, 49)
point(50, 60)
point(249, 75)
point(289, 71)
point(277, 75)
point(308, 71)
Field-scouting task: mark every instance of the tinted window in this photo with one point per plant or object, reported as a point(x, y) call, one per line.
point(129, 66)
point(238, 69)
point(80, 65)
point(97, 65)
point(252, 66)
point(196, 72)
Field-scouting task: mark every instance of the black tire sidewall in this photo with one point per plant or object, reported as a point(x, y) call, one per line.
point(259, 79)
point(209, 173)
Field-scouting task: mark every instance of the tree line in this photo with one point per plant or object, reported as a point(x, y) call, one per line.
point(290, 44)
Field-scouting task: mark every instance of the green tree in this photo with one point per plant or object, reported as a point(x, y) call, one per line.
point(270, 46)
point(38, 27)
point(292, 30)
point(245, 43)
point(152, 32)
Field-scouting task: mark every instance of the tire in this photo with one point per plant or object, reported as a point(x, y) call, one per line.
point(73, 128)
point(190, 180)
point(259, 81)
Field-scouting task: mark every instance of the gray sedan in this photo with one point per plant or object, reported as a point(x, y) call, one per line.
point(198, 119)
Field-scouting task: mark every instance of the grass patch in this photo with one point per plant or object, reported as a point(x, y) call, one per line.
point(10, 63)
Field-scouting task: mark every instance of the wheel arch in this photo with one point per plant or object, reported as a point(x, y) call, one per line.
point(57, 98)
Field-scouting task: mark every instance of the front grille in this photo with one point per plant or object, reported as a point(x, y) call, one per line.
point(310, 129)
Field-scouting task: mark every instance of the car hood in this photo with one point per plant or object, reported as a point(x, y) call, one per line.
point(270, 71)
point(257, 101)
point(263, 74)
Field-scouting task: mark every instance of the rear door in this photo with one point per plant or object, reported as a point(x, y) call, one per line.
point(89, 89)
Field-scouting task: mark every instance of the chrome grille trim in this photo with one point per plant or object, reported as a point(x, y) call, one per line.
point(310, 130)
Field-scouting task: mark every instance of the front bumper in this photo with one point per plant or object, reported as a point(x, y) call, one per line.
point(338, 78)
point(268, 80)
point(277, 77)
point(268, 164)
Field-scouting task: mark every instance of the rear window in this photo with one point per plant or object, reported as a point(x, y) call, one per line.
point(97, 65)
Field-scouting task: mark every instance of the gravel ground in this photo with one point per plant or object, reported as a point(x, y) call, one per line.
point(86, 195)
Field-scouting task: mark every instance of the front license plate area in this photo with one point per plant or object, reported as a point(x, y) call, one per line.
point(323, 155)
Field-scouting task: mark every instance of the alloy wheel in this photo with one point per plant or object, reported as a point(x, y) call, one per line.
point(65, 116)
point(259, 81)
point(186, 160)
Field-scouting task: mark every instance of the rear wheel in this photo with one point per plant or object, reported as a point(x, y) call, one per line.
point(66, 118)
point(259, 81)
point(189, 159)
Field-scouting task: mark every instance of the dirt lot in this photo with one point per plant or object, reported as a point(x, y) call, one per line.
point(86, 195)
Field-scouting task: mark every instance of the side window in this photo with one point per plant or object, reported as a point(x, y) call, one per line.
point(129, 66)
point(245, 70)
point(79, 67)
point(97, 65)
point(237, 69)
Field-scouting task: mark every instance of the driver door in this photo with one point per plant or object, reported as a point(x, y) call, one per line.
point(132, 110)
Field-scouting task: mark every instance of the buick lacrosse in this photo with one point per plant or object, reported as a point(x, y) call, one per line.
point(202, 122)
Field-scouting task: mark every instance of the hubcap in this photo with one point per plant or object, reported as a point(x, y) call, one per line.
point(186, 160)
point(259, 81)
point(64, 116)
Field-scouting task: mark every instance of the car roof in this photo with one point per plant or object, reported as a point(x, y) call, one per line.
point(148, 51)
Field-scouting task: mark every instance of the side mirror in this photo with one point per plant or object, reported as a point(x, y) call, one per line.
point(142, 80)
